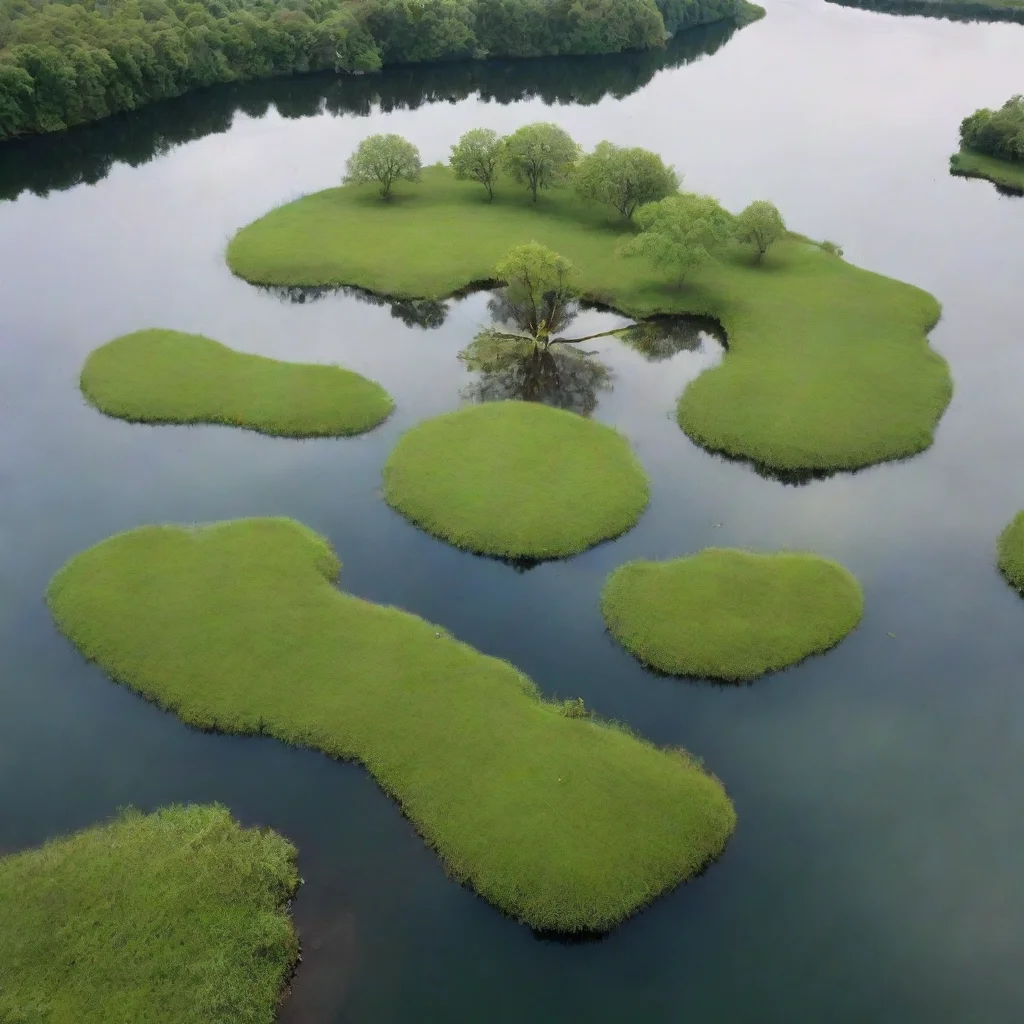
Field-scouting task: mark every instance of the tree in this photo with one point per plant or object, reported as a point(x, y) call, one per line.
point(384, 159)
point(680, 233)
point(540, 155)
point(761, 225)
point(538, 290)
point(624, 178)
point(476, 156)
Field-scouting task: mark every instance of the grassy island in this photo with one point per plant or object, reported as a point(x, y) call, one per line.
point(160, 376)
point(1006, 175)
point(728, 614)
point(176, 917)
point(516, 480)
point(828, 365)
point(1010, 552)
point(564, 822)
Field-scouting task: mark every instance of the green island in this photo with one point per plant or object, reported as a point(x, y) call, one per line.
point(954, 10)
point(562, 821)
point(992, 146)
point(730, 615)
point(1010, 552)
point(161, 376)
point(516, 480)
point(175, 917)
point(828, 366)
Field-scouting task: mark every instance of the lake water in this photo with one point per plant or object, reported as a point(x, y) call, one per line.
point(876, 871)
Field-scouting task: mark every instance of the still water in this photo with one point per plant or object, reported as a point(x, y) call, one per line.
point(875, 873)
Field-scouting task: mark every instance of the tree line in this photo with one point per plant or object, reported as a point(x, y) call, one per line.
point(68, 63)
point(998, 133)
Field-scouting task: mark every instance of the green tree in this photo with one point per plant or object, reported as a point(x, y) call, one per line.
point(477, 156)
point(760, 225)
point(624, 178)
point(680, 233)
point(538, 290)
point(384, 159)
point(540, 156)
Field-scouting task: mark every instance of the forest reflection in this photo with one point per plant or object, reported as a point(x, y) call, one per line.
point(424, 313)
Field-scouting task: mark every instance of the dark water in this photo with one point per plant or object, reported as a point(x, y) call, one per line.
point(876, 871)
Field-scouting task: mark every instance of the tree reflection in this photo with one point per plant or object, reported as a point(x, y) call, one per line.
point(663, 337)
point(427, 314)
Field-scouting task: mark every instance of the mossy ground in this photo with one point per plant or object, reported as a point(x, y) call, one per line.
point(161, 376)
point(1010, 552)
point(728, 614)
point(563, 822)
point(1008, 176)
point(177, 917)
point(517, 480)
point(828, 365)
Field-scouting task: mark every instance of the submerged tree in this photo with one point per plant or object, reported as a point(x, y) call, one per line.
point(477, 157)
point(681, 233)
point(540, 156)
point(761, 225)
point(383, 159)
point(624, 178)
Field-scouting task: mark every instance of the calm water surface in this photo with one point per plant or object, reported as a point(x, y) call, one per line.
point(875, 874)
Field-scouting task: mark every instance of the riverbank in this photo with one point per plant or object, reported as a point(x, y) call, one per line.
point(954, 10)
point(1007, 176)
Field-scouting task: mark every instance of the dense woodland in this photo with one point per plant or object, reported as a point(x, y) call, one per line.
point(67, 63)
point(998, 133)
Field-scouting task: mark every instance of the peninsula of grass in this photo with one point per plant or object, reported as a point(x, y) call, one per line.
point(516, 480)
point(176, 917)
point(730, 615)
point(1010, 553)
point(828, 366)
point(161, 376)
point(1007, 175)
point(561, 821)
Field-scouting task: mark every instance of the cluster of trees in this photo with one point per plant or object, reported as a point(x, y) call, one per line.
point(998, 133)
point(66, 63)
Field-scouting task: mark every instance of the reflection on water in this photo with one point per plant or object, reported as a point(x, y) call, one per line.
point(662, 337)
point(86, 154)
point(426, 313)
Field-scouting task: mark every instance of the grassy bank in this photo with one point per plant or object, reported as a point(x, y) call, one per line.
point(1008, 176)
point(160, 376)
point(1010, 552)
point(177, 917)
point(828, 365)
point(728, 614)
point(954, 10)
point(563, 822)
point(516, 479)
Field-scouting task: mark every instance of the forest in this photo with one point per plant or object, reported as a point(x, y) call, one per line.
point(63, 64)
point(998, 133)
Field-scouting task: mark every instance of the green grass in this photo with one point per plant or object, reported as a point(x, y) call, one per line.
point(728, 614)
point(160, 376)
point(563, 822)
point(177, 917)
point(1010, 552)
point(969, 163)
point(516, 480)
point(828, 365)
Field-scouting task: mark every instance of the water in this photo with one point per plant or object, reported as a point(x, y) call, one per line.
point(875, 873)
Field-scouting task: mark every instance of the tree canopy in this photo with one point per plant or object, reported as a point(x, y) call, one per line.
point(624, 178)
point(540, 155)
point(538, 290)
point(383, 159)
point(998, 133)
point(760, 225)
point(680, 233)
point(477, 157)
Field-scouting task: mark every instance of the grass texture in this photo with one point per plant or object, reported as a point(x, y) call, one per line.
point(728, 614)
point(1006, 174)
point(161, 376)
point(1010, 552)
point(176, 917)
point(828, 366)
point(516, 480)
point(563, 822)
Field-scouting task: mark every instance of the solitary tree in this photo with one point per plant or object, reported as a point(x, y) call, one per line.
point(384, 159)
point(624, 178)
point(761, 225)
point(538, 290)
point(477, 157)
point(680, 233)
point(540, 156)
